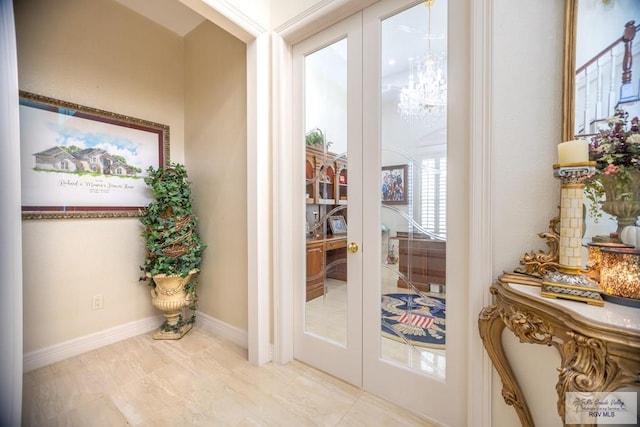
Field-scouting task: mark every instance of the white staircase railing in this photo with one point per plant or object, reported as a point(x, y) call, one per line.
point(605, 83)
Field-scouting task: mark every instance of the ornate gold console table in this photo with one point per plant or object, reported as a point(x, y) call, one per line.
point(599, 346)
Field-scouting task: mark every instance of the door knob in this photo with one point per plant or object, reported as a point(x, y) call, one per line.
point(352, 247)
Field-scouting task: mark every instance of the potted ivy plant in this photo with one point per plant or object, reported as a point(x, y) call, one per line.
point(173, 248)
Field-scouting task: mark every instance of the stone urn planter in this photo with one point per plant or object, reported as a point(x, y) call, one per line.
point(170, 295)
point(174, 249)
point(622, 199)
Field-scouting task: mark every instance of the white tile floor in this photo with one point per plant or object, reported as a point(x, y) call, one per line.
point(199, 380)
point(327, 317)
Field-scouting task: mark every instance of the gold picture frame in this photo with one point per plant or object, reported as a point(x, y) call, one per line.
point(625, 24)
point(83, 162)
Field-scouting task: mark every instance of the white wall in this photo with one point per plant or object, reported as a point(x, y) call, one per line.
point(257, 10)
point(284, 10)
point(216, 152)
point(527, 88)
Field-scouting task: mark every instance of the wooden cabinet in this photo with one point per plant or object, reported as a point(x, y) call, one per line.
point(315, 269)
point(422, 260)
point(326, 177)
point(326, 257)
point(326, 184)
point(341, 178)
point(335, 255)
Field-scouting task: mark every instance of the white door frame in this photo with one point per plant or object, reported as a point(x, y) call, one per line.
point(11, 311)
point(479, 367)
point(480, 273)
point(343, 359)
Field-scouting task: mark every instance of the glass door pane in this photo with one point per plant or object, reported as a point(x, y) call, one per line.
point(326, 191)
point(327, 101)
point(414, 188)
point(379, 80)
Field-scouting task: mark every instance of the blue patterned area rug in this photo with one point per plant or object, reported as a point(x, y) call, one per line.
point(414, 318)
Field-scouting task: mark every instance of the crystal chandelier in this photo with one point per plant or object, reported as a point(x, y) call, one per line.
point(425, 96)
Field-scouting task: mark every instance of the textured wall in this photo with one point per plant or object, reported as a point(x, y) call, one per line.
point(526, 97)
point(216, 155)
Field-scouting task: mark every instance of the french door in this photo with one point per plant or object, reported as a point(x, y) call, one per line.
point(373, 300)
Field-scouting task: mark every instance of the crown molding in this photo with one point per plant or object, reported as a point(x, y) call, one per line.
point(321, 15)
point(228, 17)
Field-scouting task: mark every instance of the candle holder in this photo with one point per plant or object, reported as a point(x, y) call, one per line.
point(594, 256)
point(569, 282)
point(620, 276)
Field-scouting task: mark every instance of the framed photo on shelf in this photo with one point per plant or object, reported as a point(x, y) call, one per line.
point(337, 224)
point(82, 162)
point(394, 184)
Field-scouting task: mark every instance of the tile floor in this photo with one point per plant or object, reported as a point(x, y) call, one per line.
point(199, 380)
point(326, 316)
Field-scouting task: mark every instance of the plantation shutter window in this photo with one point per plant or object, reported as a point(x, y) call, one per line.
point(433, 205)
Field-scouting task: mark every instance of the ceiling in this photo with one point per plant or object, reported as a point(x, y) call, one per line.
point(409, 35)
point(171, 14)
point(406, 35)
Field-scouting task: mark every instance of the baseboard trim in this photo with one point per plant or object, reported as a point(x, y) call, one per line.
point(222, 330)
point(55, 353)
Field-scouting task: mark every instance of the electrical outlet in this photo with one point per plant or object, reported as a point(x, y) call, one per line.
point(97, 302)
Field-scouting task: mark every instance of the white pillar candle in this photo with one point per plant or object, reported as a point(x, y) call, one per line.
point(573, 151)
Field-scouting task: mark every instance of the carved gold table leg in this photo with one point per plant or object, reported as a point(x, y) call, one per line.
point(491, 327)
point(588, 367)
point(597, 355)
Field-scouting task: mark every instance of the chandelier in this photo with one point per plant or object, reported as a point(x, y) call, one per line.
point(425, 96)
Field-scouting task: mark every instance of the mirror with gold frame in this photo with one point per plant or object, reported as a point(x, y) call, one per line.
point(601, 63)
point(601, 74)
point(591, 27)
point(569, 66)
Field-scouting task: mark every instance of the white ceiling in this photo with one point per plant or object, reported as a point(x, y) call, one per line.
point(171, 14)
point(402, 31)
point(406, 35)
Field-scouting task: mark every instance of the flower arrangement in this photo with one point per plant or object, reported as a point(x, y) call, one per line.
point(616, 151)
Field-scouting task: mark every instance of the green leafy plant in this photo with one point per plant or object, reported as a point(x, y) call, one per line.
point(173, 243)
point(174, 246)
point(316, 137)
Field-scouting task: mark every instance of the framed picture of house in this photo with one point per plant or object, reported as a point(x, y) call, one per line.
point(78, 161)
point(394, 184)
